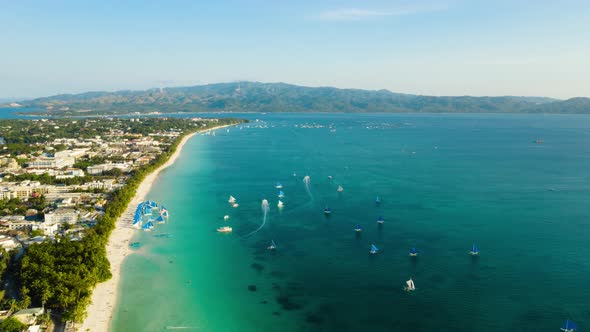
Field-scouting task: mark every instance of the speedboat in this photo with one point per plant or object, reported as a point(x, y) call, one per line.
point(225, 229)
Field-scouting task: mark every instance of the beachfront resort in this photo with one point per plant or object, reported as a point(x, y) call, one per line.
point(62, 185)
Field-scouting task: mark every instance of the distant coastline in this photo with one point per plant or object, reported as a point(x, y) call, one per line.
point(105, 295)
point(280, 97)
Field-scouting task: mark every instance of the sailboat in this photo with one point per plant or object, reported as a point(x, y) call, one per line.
point(410, 286)
point(374, 249)
point(569, 326)
point(148, 226)
point(160, 220)
point(231, 199)
point(358, 228)
point(272, 246)
point(280, 204)
point(327, 210)
point(281, 194)
point(377, 200)
point(226, 217)
point(474, 250)
point(340, 189)
point(279, 185)
point(380, 220)
point(413, 252)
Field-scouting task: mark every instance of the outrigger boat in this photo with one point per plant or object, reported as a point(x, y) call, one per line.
point(474, 250)
point(413, 252)
point(358, 228)
point(569, 326)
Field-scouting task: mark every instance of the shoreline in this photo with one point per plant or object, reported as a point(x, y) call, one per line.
point(105, 295)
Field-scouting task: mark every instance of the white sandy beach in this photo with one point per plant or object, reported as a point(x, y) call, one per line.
point(105, 295)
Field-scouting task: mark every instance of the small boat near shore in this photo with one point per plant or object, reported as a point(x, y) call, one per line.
point(225, 229)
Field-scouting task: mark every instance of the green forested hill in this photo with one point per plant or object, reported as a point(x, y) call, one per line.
point(280, 97)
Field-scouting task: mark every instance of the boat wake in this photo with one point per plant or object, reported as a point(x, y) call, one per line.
point(265, 209)
point(306, 181)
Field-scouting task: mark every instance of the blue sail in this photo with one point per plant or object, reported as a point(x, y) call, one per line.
point(374, 248)
point(474, 248)
point(357, 227)
point(569, 326)
point(377, 200)
point(136, 218)
point(160, 219)
point(146, 225)
point(413, 251)
point(272, 243)
point(380, 219)
point(281, 193)
point(165, 214)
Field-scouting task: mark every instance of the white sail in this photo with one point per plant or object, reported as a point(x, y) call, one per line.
point(410, 284)
point(340, 189)
point(232, 199)
point(280, 204)
point(226, 217)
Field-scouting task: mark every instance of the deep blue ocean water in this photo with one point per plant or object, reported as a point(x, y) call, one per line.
point(445, 181)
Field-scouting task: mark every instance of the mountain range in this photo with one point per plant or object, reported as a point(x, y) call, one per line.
point(281, 97)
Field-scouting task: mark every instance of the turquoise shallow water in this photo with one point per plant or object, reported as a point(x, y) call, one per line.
point(445, 182)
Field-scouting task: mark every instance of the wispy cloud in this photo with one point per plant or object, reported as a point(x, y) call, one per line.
point(359, 14)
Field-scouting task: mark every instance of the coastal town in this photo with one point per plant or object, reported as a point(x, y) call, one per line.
point(58, 179)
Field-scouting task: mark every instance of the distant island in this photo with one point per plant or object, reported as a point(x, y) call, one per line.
point(281, 97)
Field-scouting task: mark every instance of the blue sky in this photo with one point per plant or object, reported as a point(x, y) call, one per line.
point(446, 47)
